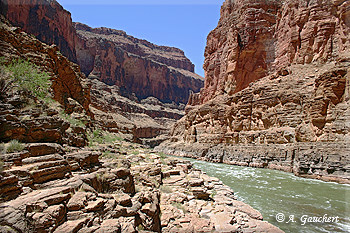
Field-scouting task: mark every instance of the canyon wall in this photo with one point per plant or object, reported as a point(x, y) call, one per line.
point(254, 38)
point(138, 88)
point(136, 66)
point(114, 61)
point(276, 91)
point(29, 119)
point(46, 20)
point(68, 83)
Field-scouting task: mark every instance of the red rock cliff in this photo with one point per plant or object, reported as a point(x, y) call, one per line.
point(46, 20)
point(255, 37)
point(67, 80)
point(136, 66)
point(276, 91)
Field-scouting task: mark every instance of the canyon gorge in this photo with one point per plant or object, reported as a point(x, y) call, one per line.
point(276, 91)
point(95, 155)
point(131, 69)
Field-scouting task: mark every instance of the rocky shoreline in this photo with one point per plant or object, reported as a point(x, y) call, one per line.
point(119, 187)
point(324, 161)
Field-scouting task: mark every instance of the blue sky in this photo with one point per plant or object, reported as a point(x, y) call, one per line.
point(184, 24)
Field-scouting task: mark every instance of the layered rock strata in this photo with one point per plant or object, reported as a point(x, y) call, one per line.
point(137, 120)
point(137, 87)
point(46, 20)
point(297, 123)
point(136, 66)
point(38, 124)
point(67, 80)
point(254, 38)
point(128, 189)
point(276, 93)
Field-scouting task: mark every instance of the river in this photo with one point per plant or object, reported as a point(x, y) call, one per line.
point(297, 199)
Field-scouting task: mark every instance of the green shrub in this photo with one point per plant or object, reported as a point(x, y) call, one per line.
point(72, 121)
point(162, 155)
point(2, 148)
point(29, 78)
point(102, 137)
point(179, 206)
point(135, 152)
point(1, 166)
point(109, 155)
point(213, 193)
point(14, 146)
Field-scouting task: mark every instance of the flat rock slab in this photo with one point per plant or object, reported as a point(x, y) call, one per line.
point(78, 201)
point(84, 158)
point(109, 226)
point(171, 173)
point(44, 158)
point(39, 149)
point(40, 196)
point(95, 205)
point(71, 226)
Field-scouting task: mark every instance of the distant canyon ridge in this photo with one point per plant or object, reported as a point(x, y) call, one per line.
point(138, 88)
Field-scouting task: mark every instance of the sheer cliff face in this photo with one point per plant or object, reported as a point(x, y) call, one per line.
point(238, 48)
point(254, 38)
point(46, 20)
point(301, 48)
point(136, 66)
point(276, 91)
point(313, 31)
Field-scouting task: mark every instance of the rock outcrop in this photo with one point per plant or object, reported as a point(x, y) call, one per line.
point(254, 38)
point(125, 189)
point(137, 120)
point(68, 83)
point(132, 68)
point(136, 66)
point(276, 92)
point(46, 20)
point(29, 119)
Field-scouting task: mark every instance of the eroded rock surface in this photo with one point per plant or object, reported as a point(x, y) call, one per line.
point(254, 38)
point(46, 20)
point(68, 83)
point(276, 90)
point(136, 66)
point(128, 189)
point(138, 120)
point(297, 122)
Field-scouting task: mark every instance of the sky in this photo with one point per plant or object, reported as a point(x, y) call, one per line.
point(184, 24)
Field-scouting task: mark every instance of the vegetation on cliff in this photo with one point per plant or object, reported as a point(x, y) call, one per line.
point(26, 78)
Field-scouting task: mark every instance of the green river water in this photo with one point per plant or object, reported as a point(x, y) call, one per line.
point(275, 192)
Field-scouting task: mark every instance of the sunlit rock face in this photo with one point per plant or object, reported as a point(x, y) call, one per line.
point(276, 89)
point(254, 38)
point(137, 66)
point(47, 20)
